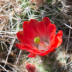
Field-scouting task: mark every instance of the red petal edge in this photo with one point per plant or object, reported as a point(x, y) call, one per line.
point(32, 55)
point(46, 20)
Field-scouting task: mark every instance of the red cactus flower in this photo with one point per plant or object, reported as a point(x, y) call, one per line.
point(39, 38)
point(30, 67)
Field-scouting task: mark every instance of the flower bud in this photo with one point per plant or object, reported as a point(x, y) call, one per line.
point(30, 67)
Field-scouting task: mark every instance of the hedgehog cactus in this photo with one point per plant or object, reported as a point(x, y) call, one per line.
point(53, 62)
point(40, 38)
point(38, 9)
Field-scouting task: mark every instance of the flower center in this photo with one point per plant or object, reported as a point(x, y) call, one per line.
point(41, 45)
point(37, 40)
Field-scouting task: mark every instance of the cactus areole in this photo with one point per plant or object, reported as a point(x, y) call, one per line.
point(39, 38)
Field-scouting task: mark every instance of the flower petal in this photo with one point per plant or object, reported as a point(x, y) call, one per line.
point(52, 37)
point(46, 20)
point(32, 55)
point(20, 35)
point(46, 52)
point(22, 38)
point(51, 29)
point(21, 46)
point(29, 33)
point(58, 39)
point(27, 48)
point(25, 24)
point(60, 33)
point(32, 24)
point(41, 28)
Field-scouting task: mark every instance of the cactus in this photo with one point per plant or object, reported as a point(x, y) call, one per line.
point(53, 62)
